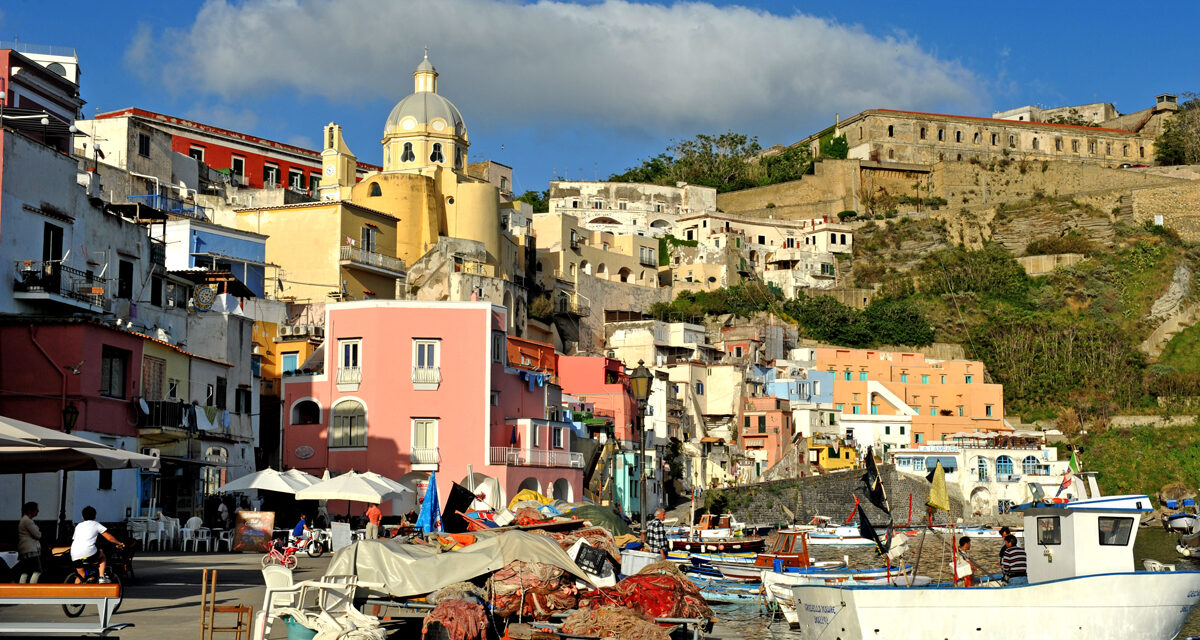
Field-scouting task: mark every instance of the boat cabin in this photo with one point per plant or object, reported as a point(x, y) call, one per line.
point(790, 549)
point(1082, 538)
point(710, 521)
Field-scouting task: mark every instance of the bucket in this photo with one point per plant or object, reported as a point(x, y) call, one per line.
point(297, 631)
point(1172, 504)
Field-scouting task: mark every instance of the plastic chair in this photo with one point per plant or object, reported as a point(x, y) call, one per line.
point(281, 593)
point(224, 538)
point(203, 536)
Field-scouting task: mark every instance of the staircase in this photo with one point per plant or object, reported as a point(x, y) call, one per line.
point(594, 475)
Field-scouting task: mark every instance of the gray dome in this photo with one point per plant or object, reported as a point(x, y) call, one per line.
point(424, 107)
point(426, 65)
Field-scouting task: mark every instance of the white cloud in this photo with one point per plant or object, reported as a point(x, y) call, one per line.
point(223, 116)
point(651, 68)
point(302, 141)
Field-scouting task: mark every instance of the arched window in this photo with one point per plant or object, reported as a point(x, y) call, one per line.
point(981, 469)
point(436, 154)
point(975, 138)
point(922, 133)
point(1012, 141)
point(891, 131)
point(891, 154)
point(375, 190)
point(941, 135)
point(408, 155)
point(459, 156)
point(1029, 466)
point(1125, 150)
point(1035, 143)
point(1004, 466)
point(306, 412)
point(349, 425)
point(958, 136)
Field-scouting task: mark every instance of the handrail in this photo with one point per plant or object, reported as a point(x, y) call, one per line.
point(372, 259)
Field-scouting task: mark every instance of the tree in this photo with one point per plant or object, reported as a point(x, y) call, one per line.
point(1179, 142)
point(836, 148)
point(539, 200)
point(1072, 117)
point(790, 164)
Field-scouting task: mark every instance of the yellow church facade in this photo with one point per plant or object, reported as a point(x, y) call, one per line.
point(367, 230)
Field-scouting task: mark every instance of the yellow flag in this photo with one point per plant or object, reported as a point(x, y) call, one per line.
point(938, 498)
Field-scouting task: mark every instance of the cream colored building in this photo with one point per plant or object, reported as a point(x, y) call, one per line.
point(658, 343)
point(910, 138)
point(626, 208)
point(567, 251)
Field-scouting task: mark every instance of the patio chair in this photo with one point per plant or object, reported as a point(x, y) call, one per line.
point(170, 532)
point(281, 593)
point(224, 538)
point(201, 537)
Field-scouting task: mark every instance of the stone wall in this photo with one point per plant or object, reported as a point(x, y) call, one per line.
point(610, 295)
point(829, 190)
point(1178, 204)
point(992, 182)
point(830, 495)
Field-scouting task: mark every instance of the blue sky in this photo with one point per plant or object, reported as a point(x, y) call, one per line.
point(582, 90)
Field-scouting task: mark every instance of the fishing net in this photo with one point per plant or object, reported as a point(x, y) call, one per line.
point(658, 595)
point(532, 589)
point(594, 536)
point(612, 622)
point(458, 591)
point(462, 619)
point(665, 567)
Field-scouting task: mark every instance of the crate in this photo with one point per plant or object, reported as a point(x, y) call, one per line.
point(591, 559)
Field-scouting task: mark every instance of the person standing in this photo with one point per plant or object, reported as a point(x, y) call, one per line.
point(29, 545)
point(374, 517)
point(963, 564)
point(1013, 561)
point(655, 535)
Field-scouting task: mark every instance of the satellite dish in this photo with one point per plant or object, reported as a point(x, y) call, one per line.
point(143, 406)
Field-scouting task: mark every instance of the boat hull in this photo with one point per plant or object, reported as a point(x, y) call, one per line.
point(1106, 606)
point(729, 545)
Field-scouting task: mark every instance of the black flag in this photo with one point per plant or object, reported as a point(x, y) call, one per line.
point(866, 530)
point(874, 484)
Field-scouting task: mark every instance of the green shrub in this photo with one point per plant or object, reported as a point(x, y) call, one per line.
point(1073, 242)
point(847, 215)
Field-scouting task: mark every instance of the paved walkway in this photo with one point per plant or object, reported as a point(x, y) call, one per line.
point(164, 599)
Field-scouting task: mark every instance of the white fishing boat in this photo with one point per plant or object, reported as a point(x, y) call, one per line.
point(778, 585)
point(1082, 584)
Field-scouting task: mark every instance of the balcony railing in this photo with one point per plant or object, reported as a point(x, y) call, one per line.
point(171, 205)
point(572, 305)
point(424, 455)
point(349, 375)
point(53, 277)
point(162, 414)
point(647, 262)
point(426, 375)
point(371, 259)
point(514, 457)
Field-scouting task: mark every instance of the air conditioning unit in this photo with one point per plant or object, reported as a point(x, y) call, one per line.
point(285, 329)
point(302, 330)
point(318, 332)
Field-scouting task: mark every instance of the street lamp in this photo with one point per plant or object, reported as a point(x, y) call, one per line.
point(641, 380)
point(70, 414)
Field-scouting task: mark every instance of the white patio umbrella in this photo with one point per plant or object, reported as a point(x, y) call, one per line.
point(28, 448)
point(386, 481)
point(307, 478)
point(265, 480)
point(354, 487)
point(17, 432)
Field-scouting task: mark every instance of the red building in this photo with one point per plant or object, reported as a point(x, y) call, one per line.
point(767, 429)
point(255, 162)
point(604, 383)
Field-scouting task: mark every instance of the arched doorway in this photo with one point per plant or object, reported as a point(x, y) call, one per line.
point(585, 267)
point(624, 274)
point(488, 487)
point(531, 483)
point(508, 304)
point(563, 491)
point(602, 271)
point(981, 501)
point(415, 480)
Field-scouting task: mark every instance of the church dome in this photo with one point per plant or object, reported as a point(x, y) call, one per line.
point(424, 107)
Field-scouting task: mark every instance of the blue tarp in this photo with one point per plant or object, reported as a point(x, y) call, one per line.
point(431, 513)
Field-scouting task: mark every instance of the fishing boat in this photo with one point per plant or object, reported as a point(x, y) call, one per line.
point(790, 550)
point(1082, 584)
point(720, 591)
point(743, 544)
point(778, 585)
point(1179, 519)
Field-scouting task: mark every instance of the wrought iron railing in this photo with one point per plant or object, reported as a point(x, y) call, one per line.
point(171, 205)
point(425, 455)
point(372, 259)
point(51, 276)
point(349, 375)
point(426, 375)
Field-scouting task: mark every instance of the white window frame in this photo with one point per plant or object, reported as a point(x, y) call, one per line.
point(333, 424)
point(193, 150)
point(412, 436)
point(534, 435)
point(356, 343)
point(234, 169)
point(296, 179)
point(500, 345)
point(269, 170)
point(349, 367)
point(431, 378)
point(556, 434)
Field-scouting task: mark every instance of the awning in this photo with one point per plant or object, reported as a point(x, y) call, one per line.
point(948, 462)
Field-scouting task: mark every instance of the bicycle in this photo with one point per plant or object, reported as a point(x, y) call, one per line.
point(281, 554)
point(317, 544)
point(91, 571)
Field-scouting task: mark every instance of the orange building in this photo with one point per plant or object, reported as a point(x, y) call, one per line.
point(767, 429)
point(949, 396)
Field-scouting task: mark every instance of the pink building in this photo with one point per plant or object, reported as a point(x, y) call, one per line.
point(412, 387)
point(604, 383)
point(949, 396)
point(767, 429)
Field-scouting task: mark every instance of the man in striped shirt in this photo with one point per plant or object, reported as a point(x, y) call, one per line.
point(1012, 561)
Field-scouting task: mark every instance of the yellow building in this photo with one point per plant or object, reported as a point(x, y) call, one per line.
point(329, 250)
point(567, 250)
point(425, 183)
point(831, 454)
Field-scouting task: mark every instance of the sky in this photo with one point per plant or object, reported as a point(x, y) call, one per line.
point(582, 90)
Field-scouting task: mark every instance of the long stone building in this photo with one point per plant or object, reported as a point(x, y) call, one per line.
point(888, 136)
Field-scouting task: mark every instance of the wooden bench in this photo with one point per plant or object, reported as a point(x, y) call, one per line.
point(104, 596)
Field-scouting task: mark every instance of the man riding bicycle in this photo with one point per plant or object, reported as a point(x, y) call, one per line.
point(84, 551)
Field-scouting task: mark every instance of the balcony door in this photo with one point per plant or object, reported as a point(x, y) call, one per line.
point(52, 243)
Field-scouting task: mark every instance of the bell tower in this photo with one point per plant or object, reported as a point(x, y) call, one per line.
point(338, 164)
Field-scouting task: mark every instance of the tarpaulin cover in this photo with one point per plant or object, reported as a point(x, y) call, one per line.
point(408, 570)
point(527, 494)
point(601, 517)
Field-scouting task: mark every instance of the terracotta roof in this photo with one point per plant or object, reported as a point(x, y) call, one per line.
point(1001, 121)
